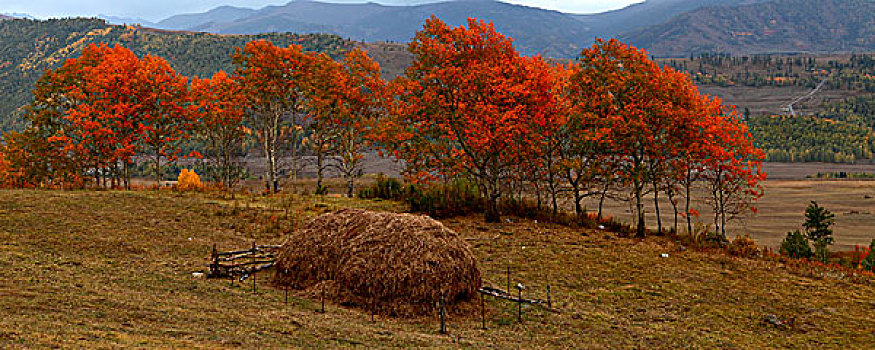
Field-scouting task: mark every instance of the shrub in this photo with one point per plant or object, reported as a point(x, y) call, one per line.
point(384, 188)
point(868, 262)
point(744, 246)
point(457, 197)
point(321, 190)
point(795, 245)
point(188, 180)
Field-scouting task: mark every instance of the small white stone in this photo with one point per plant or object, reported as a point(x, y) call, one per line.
point(601, 227)
point(664, 255)
point(197, 274)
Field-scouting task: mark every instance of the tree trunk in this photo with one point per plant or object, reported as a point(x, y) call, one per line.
point(688, 187)
point(320, 155)
point(492, 194)
point(493, 215)
point(670, 193)
point(602, 200)
point(639, 205)
point(656, 207)
point(158, 169)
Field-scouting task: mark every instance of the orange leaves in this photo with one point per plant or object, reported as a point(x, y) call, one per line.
point(188, 180)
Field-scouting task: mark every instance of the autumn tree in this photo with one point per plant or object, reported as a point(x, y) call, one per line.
point(273, 81)
point(732, 170)
point(166, 114)
point(464, 106)
point(624, 89)
point(220, 107)
point(360, 106)
point(323, 93)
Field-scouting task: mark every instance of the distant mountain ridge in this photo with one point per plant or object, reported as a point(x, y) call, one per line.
point(536, 31)
point(778, 26)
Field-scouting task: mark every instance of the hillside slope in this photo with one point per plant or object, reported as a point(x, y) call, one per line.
point(114, 269)
point(28, 48)
point(770, 27)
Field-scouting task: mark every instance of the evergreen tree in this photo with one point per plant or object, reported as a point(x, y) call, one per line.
point(817, 227)
point(796, 246)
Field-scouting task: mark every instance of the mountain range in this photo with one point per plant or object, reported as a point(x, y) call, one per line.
point(535, 30)
point(667, 28)
point(778, 26)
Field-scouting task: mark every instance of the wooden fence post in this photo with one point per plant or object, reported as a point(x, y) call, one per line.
point(483, 309)
point(549, 300)
point(443, 315)
point(520, 288)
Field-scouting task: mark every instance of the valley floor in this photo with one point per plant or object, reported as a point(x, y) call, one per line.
point(110, 269)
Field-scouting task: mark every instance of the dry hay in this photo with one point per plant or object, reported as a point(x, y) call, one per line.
point(396, 264)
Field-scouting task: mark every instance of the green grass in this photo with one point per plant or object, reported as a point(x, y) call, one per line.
point(111, 269)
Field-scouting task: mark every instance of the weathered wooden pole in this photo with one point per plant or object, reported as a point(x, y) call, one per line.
point(520, 288)
point(443, 316)
point(507, 274)
point(483, 310)
point(549, 300)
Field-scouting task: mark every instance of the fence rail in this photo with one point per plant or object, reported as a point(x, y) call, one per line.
point(242, 262)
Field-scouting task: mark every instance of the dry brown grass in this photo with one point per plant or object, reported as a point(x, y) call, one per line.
point(113, 269)
point(782, 210)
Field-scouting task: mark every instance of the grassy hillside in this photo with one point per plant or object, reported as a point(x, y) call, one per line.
point(112, 269)
point(28, 48)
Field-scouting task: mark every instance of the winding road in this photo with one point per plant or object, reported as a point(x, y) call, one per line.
point(806, 96)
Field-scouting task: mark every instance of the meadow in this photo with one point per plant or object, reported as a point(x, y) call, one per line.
point(782, 210)
point(99, 269)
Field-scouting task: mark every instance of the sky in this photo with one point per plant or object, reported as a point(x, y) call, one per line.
point(154, 10)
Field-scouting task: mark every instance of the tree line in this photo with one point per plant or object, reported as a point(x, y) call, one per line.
point(612, 124)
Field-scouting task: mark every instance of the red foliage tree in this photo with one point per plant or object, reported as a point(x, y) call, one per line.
point(273, 81)
point(465, 105)
point(220, 108)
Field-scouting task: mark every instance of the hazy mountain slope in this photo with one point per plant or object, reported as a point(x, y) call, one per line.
point(222, 14)
point(776, 26)
point(116, 20)
point(650, 12)
point(551, 33)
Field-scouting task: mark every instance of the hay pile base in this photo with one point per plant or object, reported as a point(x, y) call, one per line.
point(387, 263)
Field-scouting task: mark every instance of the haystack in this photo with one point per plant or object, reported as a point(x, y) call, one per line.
point(397, 264)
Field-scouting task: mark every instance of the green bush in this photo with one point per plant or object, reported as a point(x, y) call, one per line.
point(384, 188)
point(869, 261)
point(457, 197)
point(796, 245)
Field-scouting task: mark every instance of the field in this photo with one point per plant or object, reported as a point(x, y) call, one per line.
point(114, 269)
point(782, 210)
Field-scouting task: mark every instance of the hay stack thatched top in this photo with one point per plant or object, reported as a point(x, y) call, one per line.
point(388, 263)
